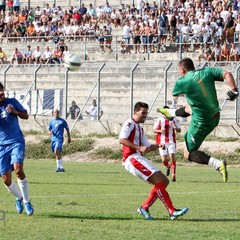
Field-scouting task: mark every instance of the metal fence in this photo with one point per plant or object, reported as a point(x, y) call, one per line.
point(116, 86)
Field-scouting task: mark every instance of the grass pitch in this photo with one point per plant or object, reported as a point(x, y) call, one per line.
point(99, 201)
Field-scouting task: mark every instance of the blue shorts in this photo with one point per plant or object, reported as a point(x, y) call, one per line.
point(9, 154)
point(56, 145)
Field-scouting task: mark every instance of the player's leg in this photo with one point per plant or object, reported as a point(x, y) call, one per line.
point(180, 112)
point(193, 140)
point(17, 159)
point(172, 152)
point(164, 157)
point(158, 179)
point(140, 166)
point(57, 149)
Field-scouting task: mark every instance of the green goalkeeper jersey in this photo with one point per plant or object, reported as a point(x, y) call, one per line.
point(199, 89)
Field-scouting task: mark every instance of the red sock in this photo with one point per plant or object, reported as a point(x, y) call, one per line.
point(151, 199)
point(173, 169)
point(166, 164)
point(164, 197)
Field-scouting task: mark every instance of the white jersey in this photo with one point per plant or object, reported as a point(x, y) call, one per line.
point(93, 112)
point(168, 135)
point(135, 134)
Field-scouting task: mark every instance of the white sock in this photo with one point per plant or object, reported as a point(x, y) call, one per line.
point(14, 190)
point(59, 163)
point(23, 185)
point(213, 162)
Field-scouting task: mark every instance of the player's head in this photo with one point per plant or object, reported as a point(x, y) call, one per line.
point(185, 65)
point(140, 112)
point(73, 103)
point(56, 113)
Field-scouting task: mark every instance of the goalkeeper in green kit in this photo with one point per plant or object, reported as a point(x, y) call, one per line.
point(199, 89)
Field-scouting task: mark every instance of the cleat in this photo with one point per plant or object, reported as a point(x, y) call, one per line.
point(167, 171)
point(223, 170)
point(19, 205)
point(29, 209)
point(178, 212)
point(58, 170)
point(166, 113)
point(174, 179)
point(145, 214)
point(62, 170)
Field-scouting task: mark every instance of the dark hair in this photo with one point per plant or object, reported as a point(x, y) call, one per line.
point(166, 107)
point(139, 105)
point(187, 64)
point(1, 85)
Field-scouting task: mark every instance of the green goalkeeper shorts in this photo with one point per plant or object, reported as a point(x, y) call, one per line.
point(198, 131)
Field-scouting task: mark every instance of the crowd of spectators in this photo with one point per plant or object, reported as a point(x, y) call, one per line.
point(146, 27)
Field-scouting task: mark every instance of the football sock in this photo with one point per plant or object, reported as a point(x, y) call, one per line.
point(151, 199)
point(59, 163)
point(164, 197)
point(23, 185)
point(213, 162)
point(173, 168)
point(166, 164)
point(14, 190)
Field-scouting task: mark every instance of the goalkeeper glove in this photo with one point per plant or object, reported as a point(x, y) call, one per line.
point(232, 94)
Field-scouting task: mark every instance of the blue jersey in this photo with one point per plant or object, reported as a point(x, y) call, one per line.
point(57, 127)
point(10, 131)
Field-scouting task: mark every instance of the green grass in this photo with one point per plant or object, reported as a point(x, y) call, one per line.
point(99, 201)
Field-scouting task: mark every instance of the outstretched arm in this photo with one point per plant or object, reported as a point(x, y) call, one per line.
point(233, 93)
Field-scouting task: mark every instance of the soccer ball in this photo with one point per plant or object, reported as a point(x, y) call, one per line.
point(72, 62)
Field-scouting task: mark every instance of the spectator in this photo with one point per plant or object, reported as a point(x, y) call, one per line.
point(21, 31)
point(224, 53)
point(27, 58)
point(83, 10)
point(205, 53)
point(234, 53)
point(36, 55)
point(216, 53)
point(16, 5)
point(93, 111)
point(46, 56)
point(108, 38)
point(107, 11)
point(229, 28)
point(17, 56)
point(3, 56)
point(10, 6)
point(31, 33)
point(56, 56)
point(74, 111)
point(127, 36)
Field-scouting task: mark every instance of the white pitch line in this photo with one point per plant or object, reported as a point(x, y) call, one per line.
point(130, 194)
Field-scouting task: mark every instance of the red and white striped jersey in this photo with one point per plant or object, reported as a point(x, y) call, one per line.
point(135, 134)
point(169, 134)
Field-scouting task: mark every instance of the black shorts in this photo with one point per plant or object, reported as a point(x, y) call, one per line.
point(2, 8)
point(136, 39)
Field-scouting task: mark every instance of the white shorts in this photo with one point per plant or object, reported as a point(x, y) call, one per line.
point(139, 166)
point(170, 148)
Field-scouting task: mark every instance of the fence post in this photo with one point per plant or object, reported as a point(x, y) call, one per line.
point(131, 90)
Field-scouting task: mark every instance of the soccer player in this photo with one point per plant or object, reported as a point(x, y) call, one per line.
point(199, 89)
point(12, 151)
point(166, 135)
point(134, 145)
point(56, 130)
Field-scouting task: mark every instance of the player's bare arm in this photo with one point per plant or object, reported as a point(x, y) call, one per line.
point(22, 115)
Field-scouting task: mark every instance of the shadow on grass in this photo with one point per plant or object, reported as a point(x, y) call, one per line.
point(117, 217)
point(81, 184)
point(89, 217)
